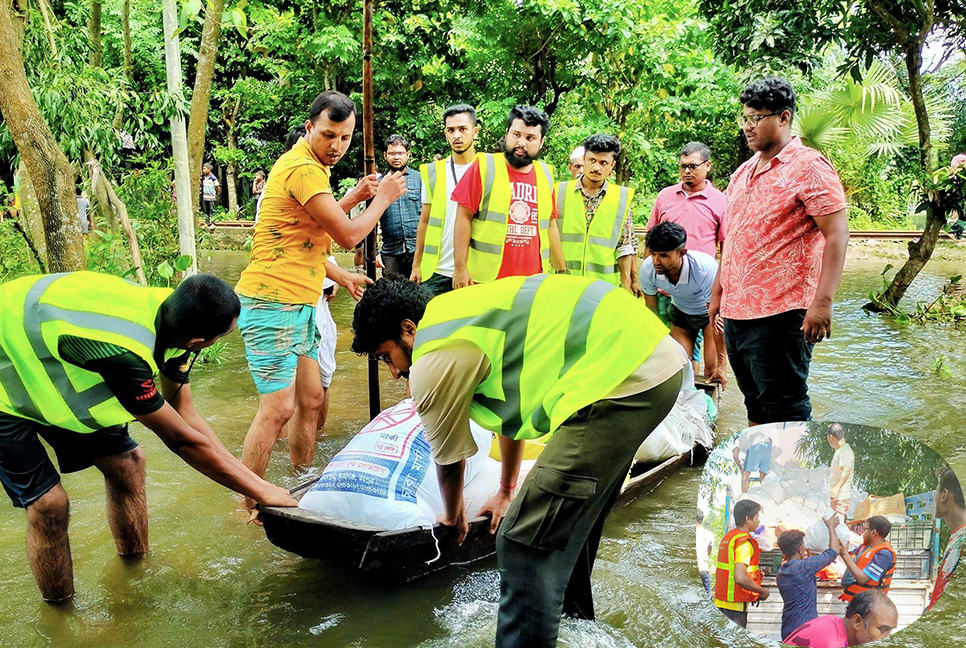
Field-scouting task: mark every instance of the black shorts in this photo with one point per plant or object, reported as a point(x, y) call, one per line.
point(770, 359)
point(692, 323)
point(25, 468)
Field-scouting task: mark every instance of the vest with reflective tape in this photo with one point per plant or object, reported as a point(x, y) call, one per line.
point(590, 250)
point(433, 239)
point(555, 344)
point(862, 561)
point(489, 229)
point(35, 382)
point(725, 587)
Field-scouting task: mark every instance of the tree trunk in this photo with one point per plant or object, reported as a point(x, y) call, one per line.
point(179, 140)
point(201, 95)
point(113, 205)
point(101, 197)
point(232, 180)
point(94, 31)
point(50, 172)
point(32, 224)
point(919, 251)
point(126, 32)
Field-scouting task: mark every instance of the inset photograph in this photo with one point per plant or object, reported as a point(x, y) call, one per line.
point(827, 534)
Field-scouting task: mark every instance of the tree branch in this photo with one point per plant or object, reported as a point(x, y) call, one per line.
point(902, 34)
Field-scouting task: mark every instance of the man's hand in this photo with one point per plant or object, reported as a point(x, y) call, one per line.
point(720, 376)
point(335, 289)
point(459, 521)
point(355, 284)
point(496, 508)
point(462, 278)
point(416, 276)
point(392, 186)
point(714, 313)
point(763, 596)
point(379, 263)
point(365, 188)
point(818, 321)
point(277, 496)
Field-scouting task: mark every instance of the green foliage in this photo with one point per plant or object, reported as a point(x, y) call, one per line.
point(215, 354)
point(16, 260)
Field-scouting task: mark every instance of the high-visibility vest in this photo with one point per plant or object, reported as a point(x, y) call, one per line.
point(555, 344)
point(433, 173)
point(35, 381)
point(489, 229)
point(590, 250)
point(725, 587)
point(861, 561)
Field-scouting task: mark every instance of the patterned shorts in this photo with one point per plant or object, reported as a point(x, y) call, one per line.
point(276, 336)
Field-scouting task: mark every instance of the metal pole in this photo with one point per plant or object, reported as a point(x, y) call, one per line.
point(370, 167)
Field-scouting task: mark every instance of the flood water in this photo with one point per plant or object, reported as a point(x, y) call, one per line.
point(211, 580)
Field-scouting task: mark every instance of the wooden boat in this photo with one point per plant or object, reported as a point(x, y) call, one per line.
point(405, 554)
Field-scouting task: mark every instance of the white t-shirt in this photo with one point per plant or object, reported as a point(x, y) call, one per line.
point(704, 539)
point(752, 437)
point(446, 266)
point(843, 458)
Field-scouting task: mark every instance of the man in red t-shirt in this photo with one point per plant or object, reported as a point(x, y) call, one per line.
point(526, 129)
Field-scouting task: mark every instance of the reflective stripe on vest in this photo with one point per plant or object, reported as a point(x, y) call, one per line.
point(489, 228)
point(431, 174)
point(35, 382)
point(862, 562)
point(590, 250)
point(725, 587)
point(546, 360)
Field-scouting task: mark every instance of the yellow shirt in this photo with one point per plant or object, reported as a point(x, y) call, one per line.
point(289, 247)
point(743, 554)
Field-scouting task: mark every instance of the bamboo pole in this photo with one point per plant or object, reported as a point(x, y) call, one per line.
point(369, 153)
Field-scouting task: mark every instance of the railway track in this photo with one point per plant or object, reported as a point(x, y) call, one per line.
point(856, 234)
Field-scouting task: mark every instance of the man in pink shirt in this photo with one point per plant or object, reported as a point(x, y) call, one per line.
point(870, 616)
point(693, 203)
point(782, 260)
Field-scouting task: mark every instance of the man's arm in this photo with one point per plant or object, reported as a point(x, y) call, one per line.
point(628, 282)
point(347, 233)
point(451, 488)
point(743, 580)
point(818, 317)
point(844, 477)
point(556, 248)
point(714, 306)
point(211, 459)
point(365, 189)
point(860, 576)
point(416, 275)
point(461, 247)
point(651, 302)
point(736, 454)
point(179, 396)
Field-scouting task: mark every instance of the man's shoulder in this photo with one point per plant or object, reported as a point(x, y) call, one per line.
point(668, 192)
point(704, 260)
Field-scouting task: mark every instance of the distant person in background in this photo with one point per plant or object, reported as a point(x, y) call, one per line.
point(957, 228)
point(576, 164)
point(258, 184)
point(209, 193)
point(951, 509)
point(874, 561)
point(870, 616)
point(796, 578)
point(400, 221)
point(757, 448)
point(842, 470)
point(704, 544)
point(83, 212)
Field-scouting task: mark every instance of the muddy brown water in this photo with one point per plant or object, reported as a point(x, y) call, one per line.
point(211, 580)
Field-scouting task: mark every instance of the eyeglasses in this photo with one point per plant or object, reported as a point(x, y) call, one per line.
point(692, 167)
point(744, 120)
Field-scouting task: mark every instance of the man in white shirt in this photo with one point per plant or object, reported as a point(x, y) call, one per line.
point(704, 543)
point(757, 448)
point(842, 470)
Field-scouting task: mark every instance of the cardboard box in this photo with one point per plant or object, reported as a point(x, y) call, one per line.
point(893, 505)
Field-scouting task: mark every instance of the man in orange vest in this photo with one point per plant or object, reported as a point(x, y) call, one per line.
point(874, 562)
point(737, 579)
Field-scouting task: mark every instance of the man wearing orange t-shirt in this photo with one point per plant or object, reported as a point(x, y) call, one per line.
point(532, 202)
point(298, 220)
point(782, 259)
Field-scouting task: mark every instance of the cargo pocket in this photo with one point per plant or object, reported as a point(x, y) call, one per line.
point(553, 502)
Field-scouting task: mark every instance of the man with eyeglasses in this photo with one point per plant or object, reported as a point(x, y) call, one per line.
point(782, 260)
point(401, 219)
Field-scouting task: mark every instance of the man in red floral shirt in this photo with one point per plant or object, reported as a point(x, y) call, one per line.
point(782, 260)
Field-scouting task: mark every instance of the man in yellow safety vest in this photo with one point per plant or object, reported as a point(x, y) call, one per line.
point(572, 359)
point(79, 355)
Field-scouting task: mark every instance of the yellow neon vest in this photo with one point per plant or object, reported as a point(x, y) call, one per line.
point(555, 343)
point(488, 233)
point(590, 251)
point(431, 174)
point(35, 382)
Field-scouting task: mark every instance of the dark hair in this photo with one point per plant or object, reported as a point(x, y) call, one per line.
point(531, 117)
point(665, 237)
point(745, 510)
point(340, 107)
point(790, 542)
point(772, 93)
point(379, 314)
point(394, 140)
point(948, 481)
point(696, 147)
point(880, 525)
point(836, 431)
point(601, 143)
point(201, 306)
point(293, 137)
point(864, 602)
point(460, 109)
point(699, 518)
